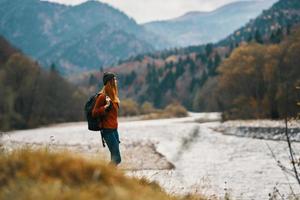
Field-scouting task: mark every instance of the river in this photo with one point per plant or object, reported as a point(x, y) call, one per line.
point(182, 155)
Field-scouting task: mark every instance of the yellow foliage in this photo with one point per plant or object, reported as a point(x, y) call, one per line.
point(255, 80)
point(129, 108)
point(40, 174)
point(270, 67)
point(172, 110)
point(176, 110)
point(147, 108)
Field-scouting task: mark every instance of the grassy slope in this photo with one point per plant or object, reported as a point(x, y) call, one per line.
point(40, 174)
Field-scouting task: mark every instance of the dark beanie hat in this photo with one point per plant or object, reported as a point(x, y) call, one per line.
point(107, 77)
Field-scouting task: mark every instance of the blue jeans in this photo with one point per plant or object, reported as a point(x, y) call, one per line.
point(111, 138)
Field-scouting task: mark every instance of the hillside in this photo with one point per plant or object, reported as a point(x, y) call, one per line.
point(180, 74)
point(97, 48)
point(47, 31)
point(6, 50)
point(195, 28)
point(31, 96)
point(257, 81)
point(271, 25)
point(42, 174)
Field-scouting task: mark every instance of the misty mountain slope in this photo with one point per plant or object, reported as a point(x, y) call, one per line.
point(91, 13)
point(26, 24)
point(196, 28)
point(96, 47)
point(272, 23)
point(43, 29)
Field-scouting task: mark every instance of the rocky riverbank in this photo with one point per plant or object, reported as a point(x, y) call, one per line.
point(261, 129)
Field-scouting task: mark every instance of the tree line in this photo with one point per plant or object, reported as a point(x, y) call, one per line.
point(256, 81)
point(32, 96)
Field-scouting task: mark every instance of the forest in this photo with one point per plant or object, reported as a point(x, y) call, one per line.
point(32, 96)
point(256, 81)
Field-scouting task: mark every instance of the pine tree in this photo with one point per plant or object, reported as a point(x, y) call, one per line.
point(217, 60)
point(203, 78)
point(258, 37)
point(53, 68)
point(250, 38)
point(208, 49)
point(92, 80)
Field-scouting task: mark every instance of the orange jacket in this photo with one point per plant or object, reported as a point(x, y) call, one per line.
point(110, 118)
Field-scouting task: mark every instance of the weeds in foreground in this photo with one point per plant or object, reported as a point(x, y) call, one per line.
point(292, 171)
point(41, 174)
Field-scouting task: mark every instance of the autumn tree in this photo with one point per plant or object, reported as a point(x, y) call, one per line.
point(31, 96)
point(253, 81)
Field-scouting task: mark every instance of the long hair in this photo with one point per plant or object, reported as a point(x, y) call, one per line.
point(111, 90)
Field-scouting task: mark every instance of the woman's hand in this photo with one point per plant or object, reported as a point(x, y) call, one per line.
point(108, 100)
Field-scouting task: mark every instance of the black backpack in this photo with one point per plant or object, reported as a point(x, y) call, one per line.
point(93, 122)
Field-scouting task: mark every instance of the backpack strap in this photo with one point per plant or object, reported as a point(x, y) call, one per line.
point(103, 142)
point(102, 139)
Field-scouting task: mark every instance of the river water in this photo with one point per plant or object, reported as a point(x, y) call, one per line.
point(205, 161)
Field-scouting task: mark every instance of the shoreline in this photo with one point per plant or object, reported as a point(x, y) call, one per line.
point(261, 129)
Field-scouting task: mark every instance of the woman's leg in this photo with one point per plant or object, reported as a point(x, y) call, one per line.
point(116, 133)
point(112, 140)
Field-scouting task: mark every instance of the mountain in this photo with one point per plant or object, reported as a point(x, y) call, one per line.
point(188, 74)
point(98, 47)
point(196, 28)
point(271, 24)
point(60, 34)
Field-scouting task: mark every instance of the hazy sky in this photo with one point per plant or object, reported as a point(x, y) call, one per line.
point(149, 10)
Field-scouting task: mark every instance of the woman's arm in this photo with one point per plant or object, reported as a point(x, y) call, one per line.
point(100, 106)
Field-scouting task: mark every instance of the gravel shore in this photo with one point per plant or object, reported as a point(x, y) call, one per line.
point(262, 129)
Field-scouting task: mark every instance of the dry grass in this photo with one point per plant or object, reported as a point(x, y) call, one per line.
point(40, 174)
point(172, 110)
point(147, 111)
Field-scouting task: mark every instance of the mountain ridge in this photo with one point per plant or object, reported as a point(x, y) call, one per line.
point(38, 27)
point(195, 28)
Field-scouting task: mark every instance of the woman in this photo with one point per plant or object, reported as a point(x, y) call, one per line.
point(107, 106)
